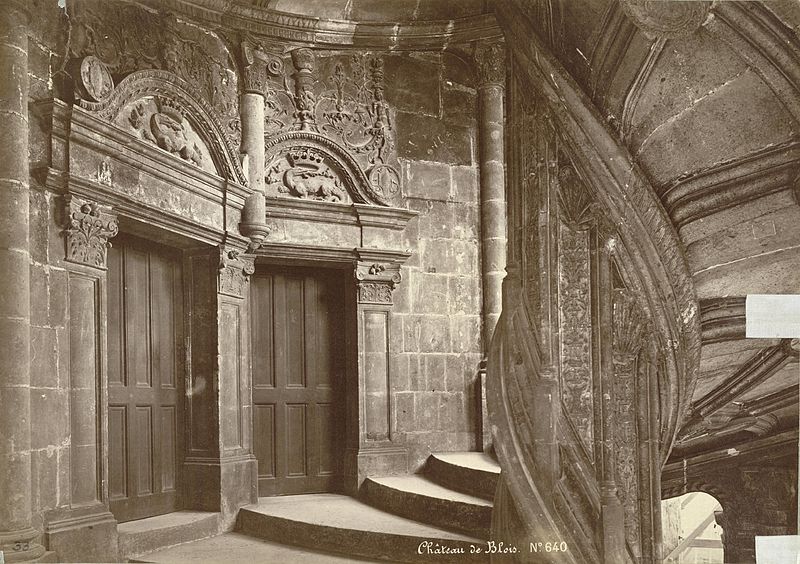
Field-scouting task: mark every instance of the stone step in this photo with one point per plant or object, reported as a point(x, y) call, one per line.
point(474, 473)
point(343, 525)
point(154, 533)
point(419, 498)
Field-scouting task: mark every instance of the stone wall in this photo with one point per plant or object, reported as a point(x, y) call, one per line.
point(437, 313)
point(49, 344)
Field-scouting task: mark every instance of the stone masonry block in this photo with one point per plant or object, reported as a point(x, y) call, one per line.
point(49, 408)
point(465, 184)
point(435, 370)
point(39, 225)
point(412, 85)
point(59, 297)
point(466, 333)
point(44, 361)
point(39, 298)
point(426, 138)
point(428, 180)
point(404, 411)
point(430, 293)
point(434, 334)
point(465, 295)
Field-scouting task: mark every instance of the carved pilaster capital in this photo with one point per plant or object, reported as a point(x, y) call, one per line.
point(258, 67)
point(376, 281)
point(575, 202)
point(490, 62)
point(234, 272)
point(89, 227)
point(629, 327)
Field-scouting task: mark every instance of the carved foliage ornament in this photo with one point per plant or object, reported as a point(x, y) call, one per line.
point(258, 68)
point(676, 18)
point(89, 227)
point(234, 272)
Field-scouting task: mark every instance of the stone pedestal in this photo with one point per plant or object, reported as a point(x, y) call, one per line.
point(18, 540)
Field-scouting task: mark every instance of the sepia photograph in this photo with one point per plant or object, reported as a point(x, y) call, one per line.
point(429, 281)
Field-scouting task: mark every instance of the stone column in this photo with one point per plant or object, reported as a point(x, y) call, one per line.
point(490, 64)
point(490, 59)
point(254, 215)
point(18, 539)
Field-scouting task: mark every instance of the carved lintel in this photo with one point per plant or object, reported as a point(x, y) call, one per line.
point(376, 281)
point(490, 61)
point(89, 227)
point(629, 329)
point(234, 272)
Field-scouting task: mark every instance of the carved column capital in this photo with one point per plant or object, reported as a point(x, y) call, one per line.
point(89, 227)
point(376, 281)
point(490, 62)
point(258, 67)
point(234, 271)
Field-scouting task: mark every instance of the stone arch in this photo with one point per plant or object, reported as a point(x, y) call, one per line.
point(186, 118)
point(331, 164)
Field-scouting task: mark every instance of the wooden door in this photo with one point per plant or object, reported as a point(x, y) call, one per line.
point(298, 380)
point(145, 379)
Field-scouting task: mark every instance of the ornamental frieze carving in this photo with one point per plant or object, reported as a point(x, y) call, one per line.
point(234, 272)
point(89, 227)
point(128, 38)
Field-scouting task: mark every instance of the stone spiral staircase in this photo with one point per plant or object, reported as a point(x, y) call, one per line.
point(430, 516)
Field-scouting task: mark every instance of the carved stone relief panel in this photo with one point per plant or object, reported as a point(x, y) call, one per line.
point(304, 172)
point(127, 38)
point(160, 121)
point(376, 281)
point(340, 97)
point(629, 329)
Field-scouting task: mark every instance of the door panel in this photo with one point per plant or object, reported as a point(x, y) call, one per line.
point(145, 331)
point(298, 380)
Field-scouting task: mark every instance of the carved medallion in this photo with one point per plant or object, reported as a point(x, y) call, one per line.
point(385, 180)
point(95, 78)
point(667, 19)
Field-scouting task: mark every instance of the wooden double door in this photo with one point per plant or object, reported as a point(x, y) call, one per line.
point(298, 344)
point(145, 378)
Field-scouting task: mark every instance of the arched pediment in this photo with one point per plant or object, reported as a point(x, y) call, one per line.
point(305, 164)
point(159, 107)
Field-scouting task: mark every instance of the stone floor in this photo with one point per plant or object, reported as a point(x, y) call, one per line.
point(233, 548)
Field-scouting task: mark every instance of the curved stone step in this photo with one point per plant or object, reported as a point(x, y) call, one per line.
point(421, 499)
point(474, 473)
point(344, 525)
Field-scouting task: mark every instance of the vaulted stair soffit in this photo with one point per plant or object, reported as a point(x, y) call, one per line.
point(705, 99)
point(448, 505)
